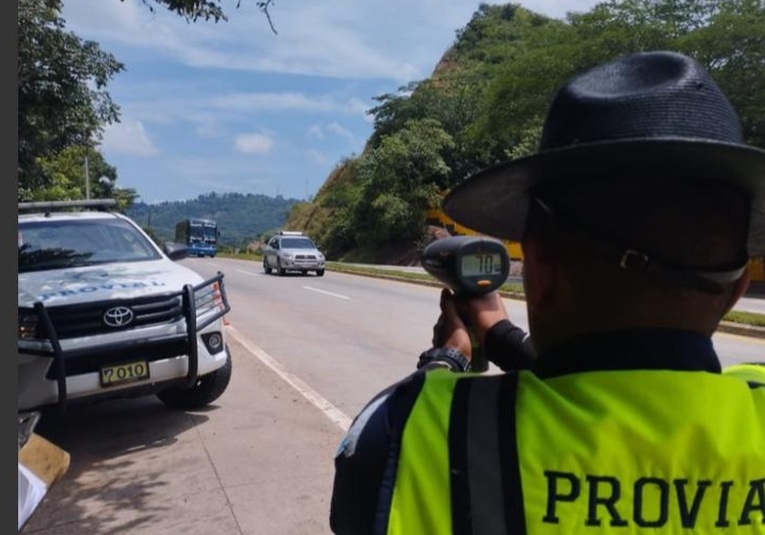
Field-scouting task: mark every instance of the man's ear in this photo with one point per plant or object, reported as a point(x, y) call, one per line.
point(742, 284)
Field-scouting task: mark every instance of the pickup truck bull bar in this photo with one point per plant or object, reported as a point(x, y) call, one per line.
point(201, 304)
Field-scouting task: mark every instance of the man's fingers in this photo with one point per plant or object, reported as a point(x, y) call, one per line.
point(449, 309)
point(438, 329)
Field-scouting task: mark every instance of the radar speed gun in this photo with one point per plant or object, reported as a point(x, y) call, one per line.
point(470, 266)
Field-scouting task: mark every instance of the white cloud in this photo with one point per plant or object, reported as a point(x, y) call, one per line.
point(399, 40)
point(210, 113)
point(340, 130)
point(318, 157)
point(209, 129)
point(282, 102)
point(128, 137)
point(254, 143)
point(315, 131)
point(223, 174)
point(333, 38)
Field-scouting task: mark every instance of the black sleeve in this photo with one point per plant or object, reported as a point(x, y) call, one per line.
point(362, 458)
point(509, 347)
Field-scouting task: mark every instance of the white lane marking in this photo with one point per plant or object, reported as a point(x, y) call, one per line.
point(248, 273)
point(325, 292)
point(316, 399)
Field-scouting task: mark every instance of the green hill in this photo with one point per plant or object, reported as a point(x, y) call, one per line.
point(241, 218)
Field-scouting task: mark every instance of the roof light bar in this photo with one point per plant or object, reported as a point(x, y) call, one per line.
point(50, 206)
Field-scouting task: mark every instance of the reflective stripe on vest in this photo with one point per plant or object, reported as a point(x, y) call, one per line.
point(421, 495)
point(599, 451)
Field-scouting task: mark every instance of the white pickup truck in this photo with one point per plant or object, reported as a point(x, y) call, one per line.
point(104, 312)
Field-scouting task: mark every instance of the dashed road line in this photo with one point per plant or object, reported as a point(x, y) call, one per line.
point(250, 273)
point(325, 292)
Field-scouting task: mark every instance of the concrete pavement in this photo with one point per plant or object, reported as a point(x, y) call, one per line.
point(259, 461)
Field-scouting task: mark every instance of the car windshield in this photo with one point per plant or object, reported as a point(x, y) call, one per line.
point(297, 243)
point(45, 245)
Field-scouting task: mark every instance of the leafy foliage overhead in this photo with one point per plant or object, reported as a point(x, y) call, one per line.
point(194, 10)
point(62, 98)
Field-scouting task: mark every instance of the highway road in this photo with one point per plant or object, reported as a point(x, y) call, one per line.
point(308, 353)
point(355, 325)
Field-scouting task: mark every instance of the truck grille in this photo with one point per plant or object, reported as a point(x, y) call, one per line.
point(91, 360)
point(87, 319)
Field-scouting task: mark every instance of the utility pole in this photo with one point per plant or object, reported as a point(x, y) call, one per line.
point(87, 175)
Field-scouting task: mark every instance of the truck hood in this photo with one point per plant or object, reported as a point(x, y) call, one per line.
point(94, 283)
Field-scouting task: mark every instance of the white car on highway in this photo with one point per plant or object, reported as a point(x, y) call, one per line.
point(293, 251)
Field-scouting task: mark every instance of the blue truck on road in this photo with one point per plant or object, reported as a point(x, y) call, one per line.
point(199, 235)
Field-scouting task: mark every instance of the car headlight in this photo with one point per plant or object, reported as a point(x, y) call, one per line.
point(320, 256)
point(287, 256)
point(28, 326)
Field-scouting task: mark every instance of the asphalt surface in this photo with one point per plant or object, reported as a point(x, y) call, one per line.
point(259, 461)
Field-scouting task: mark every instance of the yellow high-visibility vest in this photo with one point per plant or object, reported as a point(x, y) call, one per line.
point(633, 451)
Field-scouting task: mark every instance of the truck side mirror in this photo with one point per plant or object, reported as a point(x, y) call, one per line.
point(175, 251)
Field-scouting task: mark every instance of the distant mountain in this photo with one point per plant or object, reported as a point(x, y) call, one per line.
point(241, 218)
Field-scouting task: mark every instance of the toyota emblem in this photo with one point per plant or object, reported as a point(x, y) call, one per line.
point(118, 317)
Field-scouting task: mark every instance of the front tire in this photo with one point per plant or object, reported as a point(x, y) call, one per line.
point(207, 389)
point(319, 272)
point(265, 267)
point(279, 269)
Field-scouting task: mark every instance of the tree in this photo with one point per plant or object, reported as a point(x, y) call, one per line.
point(399, 181)
point(71, 178)
point(62, 100)
point(193, 10)
point(727, 36)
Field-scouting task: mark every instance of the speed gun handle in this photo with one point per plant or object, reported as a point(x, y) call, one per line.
point(470, 266)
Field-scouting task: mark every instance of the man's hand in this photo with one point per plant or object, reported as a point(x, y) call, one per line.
point(482, 312)
point(450, 330)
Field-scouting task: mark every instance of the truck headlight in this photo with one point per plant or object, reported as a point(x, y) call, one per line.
point(209, 298)
point(28, 326)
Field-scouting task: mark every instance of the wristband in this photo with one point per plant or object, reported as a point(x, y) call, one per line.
point(456, 361)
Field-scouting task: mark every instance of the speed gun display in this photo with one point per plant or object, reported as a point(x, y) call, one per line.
point(468, 265)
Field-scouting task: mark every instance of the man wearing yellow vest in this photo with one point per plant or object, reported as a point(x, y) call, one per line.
point(637, 217)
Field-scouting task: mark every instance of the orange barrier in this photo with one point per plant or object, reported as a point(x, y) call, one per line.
point(437, 218)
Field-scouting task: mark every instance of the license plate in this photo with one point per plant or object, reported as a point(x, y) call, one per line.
point(124, 373)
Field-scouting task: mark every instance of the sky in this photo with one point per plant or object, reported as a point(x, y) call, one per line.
point(232, 107)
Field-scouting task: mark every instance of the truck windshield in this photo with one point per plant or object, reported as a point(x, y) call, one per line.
point(203, 232)
point(45, 245)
